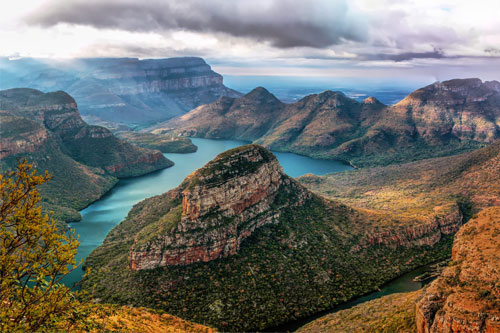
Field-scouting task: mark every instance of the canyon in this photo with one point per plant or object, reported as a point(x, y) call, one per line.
point(464, 298)
point(235, 233)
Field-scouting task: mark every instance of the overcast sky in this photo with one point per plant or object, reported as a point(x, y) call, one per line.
point(433, 39)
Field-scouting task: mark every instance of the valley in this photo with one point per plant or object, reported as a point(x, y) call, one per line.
point(250, 166)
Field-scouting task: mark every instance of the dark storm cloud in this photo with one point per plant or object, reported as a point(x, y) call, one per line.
point(282, 23)
point(436, 54)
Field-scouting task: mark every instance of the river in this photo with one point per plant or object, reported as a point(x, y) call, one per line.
point(404, 283)
point(101, 216)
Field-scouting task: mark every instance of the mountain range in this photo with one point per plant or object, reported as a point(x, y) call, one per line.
point(122, 92)
point(441, 119)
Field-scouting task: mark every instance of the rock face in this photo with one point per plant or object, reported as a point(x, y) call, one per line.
point(126, 91)
point(220, 208)
point(441, 119)
point(445, 221)
point(47, 130)
point(466, 297)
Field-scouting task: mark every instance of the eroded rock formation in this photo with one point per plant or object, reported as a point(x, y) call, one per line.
point(221, 205)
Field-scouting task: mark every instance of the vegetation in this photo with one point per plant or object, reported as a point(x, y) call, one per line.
point(74, 185)
point(166, 143)
point(393, 313)
point(309, 261)
point(419, 189)
point(35, 256)
point(85, 160)
point(434, 121)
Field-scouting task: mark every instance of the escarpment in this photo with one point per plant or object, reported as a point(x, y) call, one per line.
point(466, 297)
point(443, 221)
point(85, 160)
point(222, 204)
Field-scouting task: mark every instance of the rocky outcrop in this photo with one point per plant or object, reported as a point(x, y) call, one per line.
point(441, 119)
point(91, 145)
point(127, 91)
point(29, 138)
point(466, 297)
point(446, 221)
point(222, 204)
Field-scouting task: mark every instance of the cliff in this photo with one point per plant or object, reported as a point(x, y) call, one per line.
point(466, 297)
point(46, 129)
point(232, 239)
point(221, 207)
point(441, 119)
point(125, 91)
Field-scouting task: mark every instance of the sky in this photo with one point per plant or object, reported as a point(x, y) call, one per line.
point(379, 39)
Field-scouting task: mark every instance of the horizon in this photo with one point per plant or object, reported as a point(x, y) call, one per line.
point(378, 41)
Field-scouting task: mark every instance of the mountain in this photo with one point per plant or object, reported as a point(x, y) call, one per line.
point(84, 160)
point(122, 91)
point(441, 119)
point(465, 298)
point(239, 245)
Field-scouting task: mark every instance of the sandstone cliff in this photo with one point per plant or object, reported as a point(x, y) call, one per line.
point(222, 204)
point(466, 297)
point(248, 247)
point(47, 130)
point(441, 119)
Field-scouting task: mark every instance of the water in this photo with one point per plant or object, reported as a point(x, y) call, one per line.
point(100, 217)
point(402, 284)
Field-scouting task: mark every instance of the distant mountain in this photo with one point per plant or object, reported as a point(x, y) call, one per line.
point(84, 160)
point(122, 91)
point(241, 246)
point(440, 119)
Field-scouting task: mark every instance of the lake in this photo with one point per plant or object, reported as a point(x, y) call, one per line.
point(101, 216)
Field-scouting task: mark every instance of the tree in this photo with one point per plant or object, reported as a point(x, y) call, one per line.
point(34, 257)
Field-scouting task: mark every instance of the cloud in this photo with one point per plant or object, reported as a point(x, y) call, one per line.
point(282, 23)
point(405, 56)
